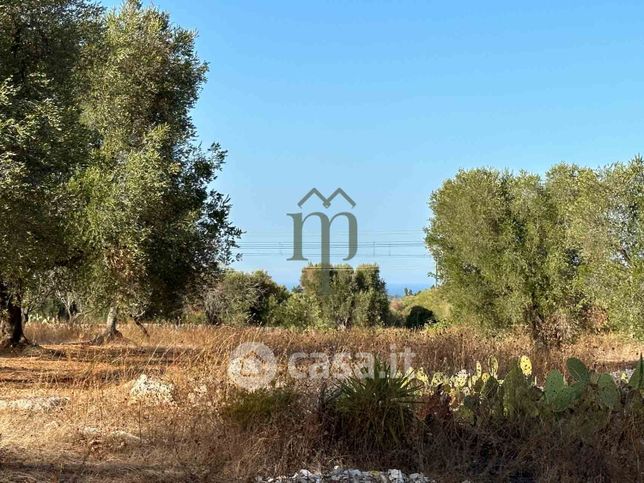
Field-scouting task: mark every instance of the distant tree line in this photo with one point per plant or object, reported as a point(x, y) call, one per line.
point(355, 298)
point(561, 253)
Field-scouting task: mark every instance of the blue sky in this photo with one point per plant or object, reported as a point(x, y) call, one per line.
point(388, 99)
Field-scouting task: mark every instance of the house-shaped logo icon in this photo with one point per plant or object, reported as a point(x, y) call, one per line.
point(327, 201)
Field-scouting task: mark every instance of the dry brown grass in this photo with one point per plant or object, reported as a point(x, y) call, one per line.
point(190, 441)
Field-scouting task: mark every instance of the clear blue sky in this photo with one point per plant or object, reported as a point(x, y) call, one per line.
point(388, 99)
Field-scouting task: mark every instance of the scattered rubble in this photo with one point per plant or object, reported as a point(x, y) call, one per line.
point(623, 375)
point(349, 475)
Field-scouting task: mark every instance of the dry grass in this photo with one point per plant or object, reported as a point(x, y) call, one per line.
point(190, 440)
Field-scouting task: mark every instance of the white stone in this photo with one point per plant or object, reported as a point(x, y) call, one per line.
point(396, 476)
point(152, 390)
point(89, 432)
point(35, 403)
point(124, 437)
point(417, 477)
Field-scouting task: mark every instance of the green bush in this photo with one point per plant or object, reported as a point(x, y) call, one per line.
point(585, 426)
point(549, 252)
point(581, 406)
point(298, 311)
point(356, 298)
point(240, 298)
point(419, 317)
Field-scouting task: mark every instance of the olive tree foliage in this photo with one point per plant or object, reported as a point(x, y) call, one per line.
point(43, 59)
point(499, 244)
point(561, 253)
point(608, 227)
point(148, 223)
point(356, 297)
point(240, 298)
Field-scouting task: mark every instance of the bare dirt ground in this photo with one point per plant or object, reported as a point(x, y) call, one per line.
point(99, 433)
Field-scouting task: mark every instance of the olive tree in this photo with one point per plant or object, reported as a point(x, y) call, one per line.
point(608, 227)
point(43, 60)
point(502, 251)
point(149, 224)
point(356, 297)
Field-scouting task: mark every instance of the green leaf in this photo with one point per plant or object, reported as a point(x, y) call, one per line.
point(578, 388)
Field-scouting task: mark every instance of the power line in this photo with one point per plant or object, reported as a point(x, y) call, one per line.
point(278, 246)
point(339, 255)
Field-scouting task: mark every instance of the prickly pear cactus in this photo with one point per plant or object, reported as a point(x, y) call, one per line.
point(607, 391)
point(518, 398)
point(583, 405)
point(493, 364)
point(490, 388)
point(526, 365)
point(421, 376)
point(637, 379)
point(558, 394)
point(438, 379)
point(578, 371)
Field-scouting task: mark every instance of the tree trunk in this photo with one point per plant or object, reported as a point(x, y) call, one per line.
point(137, 320)
point(11, 334)
point(111, 332)
point(112, 316)
point(25, 316)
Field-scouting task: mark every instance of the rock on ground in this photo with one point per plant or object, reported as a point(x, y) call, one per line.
point(47, 403)
point(116, 436)
point(152, 390)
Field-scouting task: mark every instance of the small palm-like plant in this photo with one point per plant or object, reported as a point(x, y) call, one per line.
point(375, 411)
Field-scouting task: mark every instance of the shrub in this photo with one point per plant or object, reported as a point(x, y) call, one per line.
point(240, 298)
point(582, 406)
point(419, 317)
point(548, 252)
point(298, 311)
point(581, 428)
point(374, 411)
